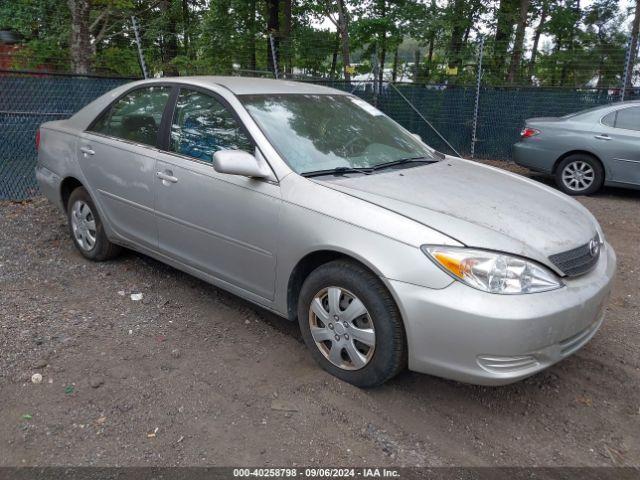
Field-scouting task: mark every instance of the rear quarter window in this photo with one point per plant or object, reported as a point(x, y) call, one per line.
point(610, 119)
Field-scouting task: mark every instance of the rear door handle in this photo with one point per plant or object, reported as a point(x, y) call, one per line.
point(167, 177)
point(87, 151)
point(603, 137)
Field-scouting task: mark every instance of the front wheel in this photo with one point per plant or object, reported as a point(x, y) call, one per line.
point(579, 175)
point(351, 324)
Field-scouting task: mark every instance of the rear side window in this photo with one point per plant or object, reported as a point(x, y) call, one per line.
point(628, 118)
point(202, 125)
point(136, 116)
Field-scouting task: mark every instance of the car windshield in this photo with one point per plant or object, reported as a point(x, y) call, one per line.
point(327, 132)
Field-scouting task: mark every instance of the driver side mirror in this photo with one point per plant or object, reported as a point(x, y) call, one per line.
point(239, 162)
point(417, 137)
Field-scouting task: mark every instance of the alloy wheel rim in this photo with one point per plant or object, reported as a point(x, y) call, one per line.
point(578, 176)
point(342, 328)
point(83, 225)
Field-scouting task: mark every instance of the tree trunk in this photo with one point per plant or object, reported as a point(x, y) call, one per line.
point(394, 73)
point(169, 49)
point(416, 65)
point(273, 31)
point(633, 47)
point(516, 56)
point(251, 28)
point(536, 41)
point(343, 30)
point(286, 36)
point(334, 58)
point(504, 28)
point(185, 26)
point(427, 71)
point(381, 60)
point(457, 32)
point(556, 50)
point(80, 35)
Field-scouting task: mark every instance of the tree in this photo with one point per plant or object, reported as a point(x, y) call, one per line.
point(459, 19)
point(80, 40)
point(505, 19)
point(544, 11)
point(633, 47)
point(338, 14)
point(518, 45)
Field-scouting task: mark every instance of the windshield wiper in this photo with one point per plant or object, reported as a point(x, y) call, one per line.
point(404, 161)
point(337, 171)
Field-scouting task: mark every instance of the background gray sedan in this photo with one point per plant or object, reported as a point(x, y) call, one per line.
point(585, 150)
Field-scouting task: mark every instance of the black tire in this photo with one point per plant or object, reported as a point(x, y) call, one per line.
point(579, 159)
point(389, 355)
point(102, 249)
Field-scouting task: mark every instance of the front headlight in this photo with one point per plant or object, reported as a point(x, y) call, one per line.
point(491, 271)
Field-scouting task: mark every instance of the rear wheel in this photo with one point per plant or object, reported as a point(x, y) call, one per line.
point(579, 174)
point(86, 228)
point(351, 324)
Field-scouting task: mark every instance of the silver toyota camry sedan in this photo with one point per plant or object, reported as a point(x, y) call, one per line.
point(313, 204)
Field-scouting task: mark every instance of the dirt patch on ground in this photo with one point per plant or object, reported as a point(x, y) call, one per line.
point(191, 375)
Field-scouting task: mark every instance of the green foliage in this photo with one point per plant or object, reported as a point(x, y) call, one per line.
point(426, 40)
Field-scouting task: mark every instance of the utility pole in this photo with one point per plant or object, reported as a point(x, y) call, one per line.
point(476, 105)
point(142, 64)
point(274, 56)
point(628, 67)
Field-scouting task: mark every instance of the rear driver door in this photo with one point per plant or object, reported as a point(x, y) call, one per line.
point(117, 155)
point(619, 145)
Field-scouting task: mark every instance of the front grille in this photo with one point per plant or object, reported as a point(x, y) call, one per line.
point(579, 260)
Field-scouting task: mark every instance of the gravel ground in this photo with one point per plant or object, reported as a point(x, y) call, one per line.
point(192, 375)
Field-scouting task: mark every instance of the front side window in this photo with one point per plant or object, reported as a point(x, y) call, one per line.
point(628, 118)
point(202, 125)
point(136, 116)
point(323, 132)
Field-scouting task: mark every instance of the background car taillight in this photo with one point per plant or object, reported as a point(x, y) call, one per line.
point(529, 132)
point(37, 139)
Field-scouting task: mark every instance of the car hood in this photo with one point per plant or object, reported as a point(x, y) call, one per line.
point(479, 206)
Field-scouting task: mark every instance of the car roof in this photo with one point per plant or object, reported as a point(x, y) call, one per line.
point(236, 85)
point(599, 109)
point(252, 85)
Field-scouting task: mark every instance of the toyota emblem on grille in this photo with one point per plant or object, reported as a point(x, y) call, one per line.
point(594, 247)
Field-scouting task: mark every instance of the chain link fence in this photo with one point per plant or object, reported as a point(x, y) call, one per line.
point(443, 115)
point(26, 101)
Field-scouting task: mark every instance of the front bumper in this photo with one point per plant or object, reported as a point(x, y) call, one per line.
point(476, 337)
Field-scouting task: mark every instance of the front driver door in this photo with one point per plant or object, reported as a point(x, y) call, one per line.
point(117, 155)
point(223, 225)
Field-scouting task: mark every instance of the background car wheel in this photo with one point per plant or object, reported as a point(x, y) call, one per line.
point(579, 175)
point(351, 324)
point(86, 228)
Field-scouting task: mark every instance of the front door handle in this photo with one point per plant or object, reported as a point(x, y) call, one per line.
point(603, 137)
point(87, 151)
point(167, 177)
